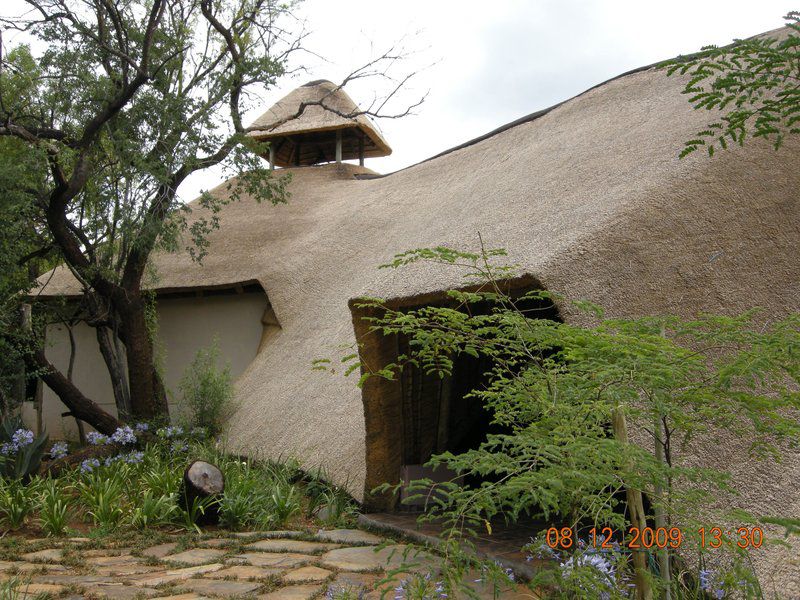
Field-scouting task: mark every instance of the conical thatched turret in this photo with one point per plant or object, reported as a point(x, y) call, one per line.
point(318, 122)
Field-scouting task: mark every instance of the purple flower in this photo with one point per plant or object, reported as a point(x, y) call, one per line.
point(7, 449)
point(179, 446)
point(96, 438)
point(22, 438)
point(59, 450)
point(123, 435)
point(170, 432)
point(133, 458)
point(89, 465)
point(706, 584)
point(141, 427)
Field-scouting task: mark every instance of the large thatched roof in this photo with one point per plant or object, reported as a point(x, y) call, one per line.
point(302, 126)
point(589, 198)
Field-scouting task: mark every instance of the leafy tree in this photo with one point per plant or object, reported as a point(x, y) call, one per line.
point(566, 397)
point(24, 247)
point(755, 83)
point(125, 102)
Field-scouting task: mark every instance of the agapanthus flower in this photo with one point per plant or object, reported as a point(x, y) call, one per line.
point(89, 465)
point(123, 435)
point(95, 438)
point(172, 431)
point(7, 449)
point(707, 585)
point(22, 438)
point(59, 450)
point(141, 427)
point(333, 592)
point(400, 590)
point(133, 458)
point(179, 446)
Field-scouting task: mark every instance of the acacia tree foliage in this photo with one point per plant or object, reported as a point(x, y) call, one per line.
point(125, 102)
point(556, 388)
point(755, 83)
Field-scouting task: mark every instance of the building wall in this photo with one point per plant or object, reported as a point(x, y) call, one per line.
point(185, 325)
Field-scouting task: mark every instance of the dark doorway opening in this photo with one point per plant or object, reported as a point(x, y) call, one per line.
point(417, 415)
point(440, 414)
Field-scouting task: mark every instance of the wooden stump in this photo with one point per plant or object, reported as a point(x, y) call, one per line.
point(203, 482)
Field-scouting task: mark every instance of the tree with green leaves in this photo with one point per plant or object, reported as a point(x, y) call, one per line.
point(591, 419)
point(754, 83)
point(124, 102)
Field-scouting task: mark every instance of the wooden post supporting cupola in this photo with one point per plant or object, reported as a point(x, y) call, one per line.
point(317, 123)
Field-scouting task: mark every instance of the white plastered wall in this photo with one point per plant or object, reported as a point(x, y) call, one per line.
point(186, 324)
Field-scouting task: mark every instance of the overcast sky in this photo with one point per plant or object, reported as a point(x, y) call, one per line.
point(489, 63)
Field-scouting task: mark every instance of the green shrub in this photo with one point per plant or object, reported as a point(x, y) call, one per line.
point(238, 509)
point(17, 501)
point(207, 390)
point(284, 503)
point(54, 508)
point(17, 589)
point(160, 478)
point(102, 494)
point(339, 507)
point(153, 510)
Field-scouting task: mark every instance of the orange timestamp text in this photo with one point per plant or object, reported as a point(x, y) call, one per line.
point(658, 537)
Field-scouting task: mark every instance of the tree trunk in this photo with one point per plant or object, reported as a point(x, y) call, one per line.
point(203, 484)
point(79, 405)
point(148, 399)
point(116, 371)
point(636, 514)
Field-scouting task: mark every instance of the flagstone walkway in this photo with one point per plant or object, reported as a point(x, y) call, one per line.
point(280, 565)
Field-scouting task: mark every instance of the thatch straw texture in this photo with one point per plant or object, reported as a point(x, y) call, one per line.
point(589, 198)
point(304, 122)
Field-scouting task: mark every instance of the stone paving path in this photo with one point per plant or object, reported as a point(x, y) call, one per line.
point(279, 565)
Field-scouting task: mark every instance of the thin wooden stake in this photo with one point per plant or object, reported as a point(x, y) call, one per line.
point(636, 512)
point(661, 522)
point(338, 145)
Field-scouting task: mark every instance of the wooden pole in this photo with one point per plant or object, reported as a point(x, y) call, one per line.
point(271, 156)
point(361, 149)
point(338, 145)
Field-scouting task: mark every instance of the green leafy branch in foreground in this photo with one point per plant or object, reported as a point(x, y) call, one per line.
point(555, 389)
point(755, 82)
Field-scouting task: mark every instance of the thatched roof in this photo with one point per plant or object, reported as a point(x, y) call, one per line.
point(589, 198)
point(306, 121)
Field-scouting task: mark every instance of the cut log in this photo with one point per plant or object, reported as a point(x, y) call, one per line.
point(203, 482)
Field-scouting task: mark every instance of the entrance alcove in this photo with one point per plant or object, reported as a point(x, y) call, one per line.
point(409, 419)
